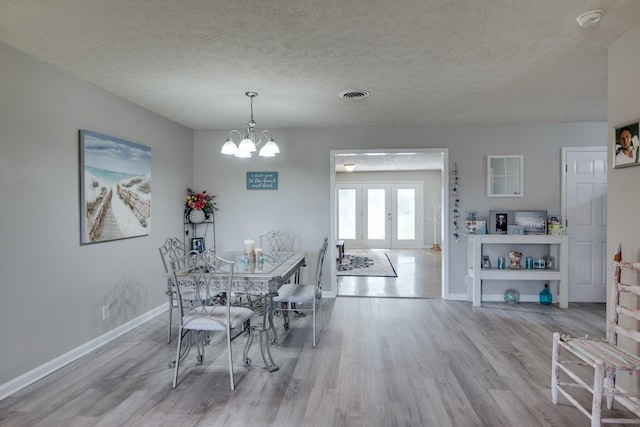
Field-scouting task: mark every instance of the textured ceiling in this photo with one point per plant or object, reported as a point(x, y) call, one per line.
point(423, 61)
point(393, 161)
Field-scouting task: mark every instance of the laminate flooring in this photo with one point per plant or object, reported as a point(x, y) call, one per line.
point(378, 362)
point(419, 276)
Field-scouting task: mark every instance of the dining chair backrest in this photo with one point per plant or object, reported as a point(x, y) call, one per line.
point(320, 266)
point(277, 241)
point(172, 250)
point(202, 268)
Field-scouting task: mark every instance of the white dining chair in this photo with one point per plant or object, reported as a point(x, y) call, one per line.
point(210, 311)
point(171, 251)
point(297, 297)
point(277, 241)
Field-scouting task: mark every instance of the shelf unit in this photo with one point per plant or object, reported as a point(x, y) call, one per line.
point(556, 246)
point(205, 229)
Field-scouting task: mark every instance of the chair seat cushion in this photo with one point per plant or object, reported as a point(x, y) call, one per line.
point(294, 292)
point(613, 356)
point(216, 319)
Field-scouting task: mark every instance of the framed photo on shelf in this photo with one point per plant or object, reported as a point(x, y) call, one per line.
point(626, 147)
point(534, 222)
point(486, 262)
point(499, 220)
point(197, 244)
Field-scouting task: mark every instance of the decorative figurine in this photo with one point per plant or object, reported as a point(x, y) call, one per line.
point(514, 257)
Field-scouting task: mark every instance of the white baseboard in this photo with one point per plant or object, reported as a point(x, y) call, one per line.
point(494, 298)
point(42, 371)
point(500, 298)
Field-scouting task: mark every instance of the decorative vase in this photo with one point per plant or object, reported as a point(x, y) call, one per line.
point(545, 296)
point(196, 216)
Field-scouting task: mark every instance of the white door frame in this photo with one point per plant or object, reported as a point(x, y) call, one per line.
point(444, 228)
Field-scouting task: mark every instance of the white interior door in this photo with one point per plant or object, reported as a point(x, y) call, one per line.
point(586, 222)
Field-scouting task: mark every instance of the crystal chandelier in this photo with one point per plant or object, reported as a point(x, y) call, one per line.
point(248, 144)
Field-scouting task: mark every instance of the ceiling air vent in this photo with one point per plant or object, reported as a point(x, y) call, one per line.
point(354, 94)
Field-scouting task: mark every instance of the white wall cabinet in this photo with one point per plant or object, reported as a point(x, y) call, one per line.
point(488, 244)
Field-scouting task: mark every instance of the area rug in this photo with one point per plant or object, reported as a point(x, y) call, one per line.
point(366, 264)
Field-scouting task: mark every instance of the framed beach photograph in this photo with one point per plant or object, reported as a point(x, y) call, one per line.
point(534, 222)
point(625, 145)
point(197, 244)
point(499, 220)
point(115, 188)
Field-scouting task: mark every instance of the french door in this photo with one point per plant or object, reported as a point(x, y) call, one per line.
point(380, 215)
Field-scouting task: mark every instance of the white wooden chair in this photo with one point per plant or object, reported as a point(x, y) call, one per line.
point(291, 295)
point(209, 311)
point(606, 358)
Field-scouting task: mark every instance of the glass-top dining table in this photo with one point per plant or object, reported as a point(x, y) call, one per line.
point(262, 279)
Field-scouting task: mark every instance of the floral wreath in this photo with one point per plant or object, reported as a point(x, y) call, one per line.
point(201, 202)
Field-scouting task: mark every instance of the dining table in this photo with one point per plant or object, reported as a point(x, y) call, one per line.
point(255, 283)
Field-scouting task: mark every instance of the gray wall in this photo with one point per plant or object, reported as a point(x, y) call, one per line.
point(624, 106)
point(53, 289)
point(302, 202)
point(622, 198)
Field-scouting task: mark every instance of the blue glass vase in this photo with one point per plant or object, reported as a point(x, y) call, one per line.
point(545, 296)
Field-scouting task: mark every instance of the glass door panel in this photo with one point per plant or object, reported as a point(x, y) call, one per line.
point(346, 213)
point(406, 213)
point(377, 202)
point(376, 214)
point(349, 214)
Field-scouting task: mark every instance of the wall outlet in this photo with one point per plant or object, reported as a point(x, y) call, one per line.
point(105, 312)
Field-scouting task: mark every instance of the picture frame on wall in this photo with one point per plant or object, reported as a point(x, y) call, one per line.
point(499, 221)
point(534, 222)
point(115, 188)
point(625, 144)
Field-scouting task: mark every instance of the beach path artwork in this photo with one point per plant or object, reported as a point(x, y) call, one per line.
point(115, 182)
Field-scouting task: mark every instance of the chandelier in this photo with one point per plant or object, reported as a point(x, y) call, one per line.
point(248, 144)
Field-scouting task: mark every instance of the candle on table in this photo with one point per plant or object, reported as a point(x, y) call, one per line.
point(248, 247)
point(258, 252)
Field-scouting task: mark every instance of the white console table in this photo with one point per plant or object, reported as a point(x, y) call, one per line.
point(557, 248)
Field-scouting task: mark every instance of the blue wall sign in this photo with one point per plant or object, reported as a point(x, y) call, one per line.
point(262, 180)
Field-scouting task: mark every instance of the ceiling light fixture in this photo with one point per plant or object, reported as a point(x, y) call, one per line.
point(349, 167)
point(248, 145)
point(591, 18)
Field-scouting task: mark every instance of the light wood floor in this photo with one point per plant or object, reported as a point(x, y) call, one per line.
point(419, 276)
point(378, 362)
